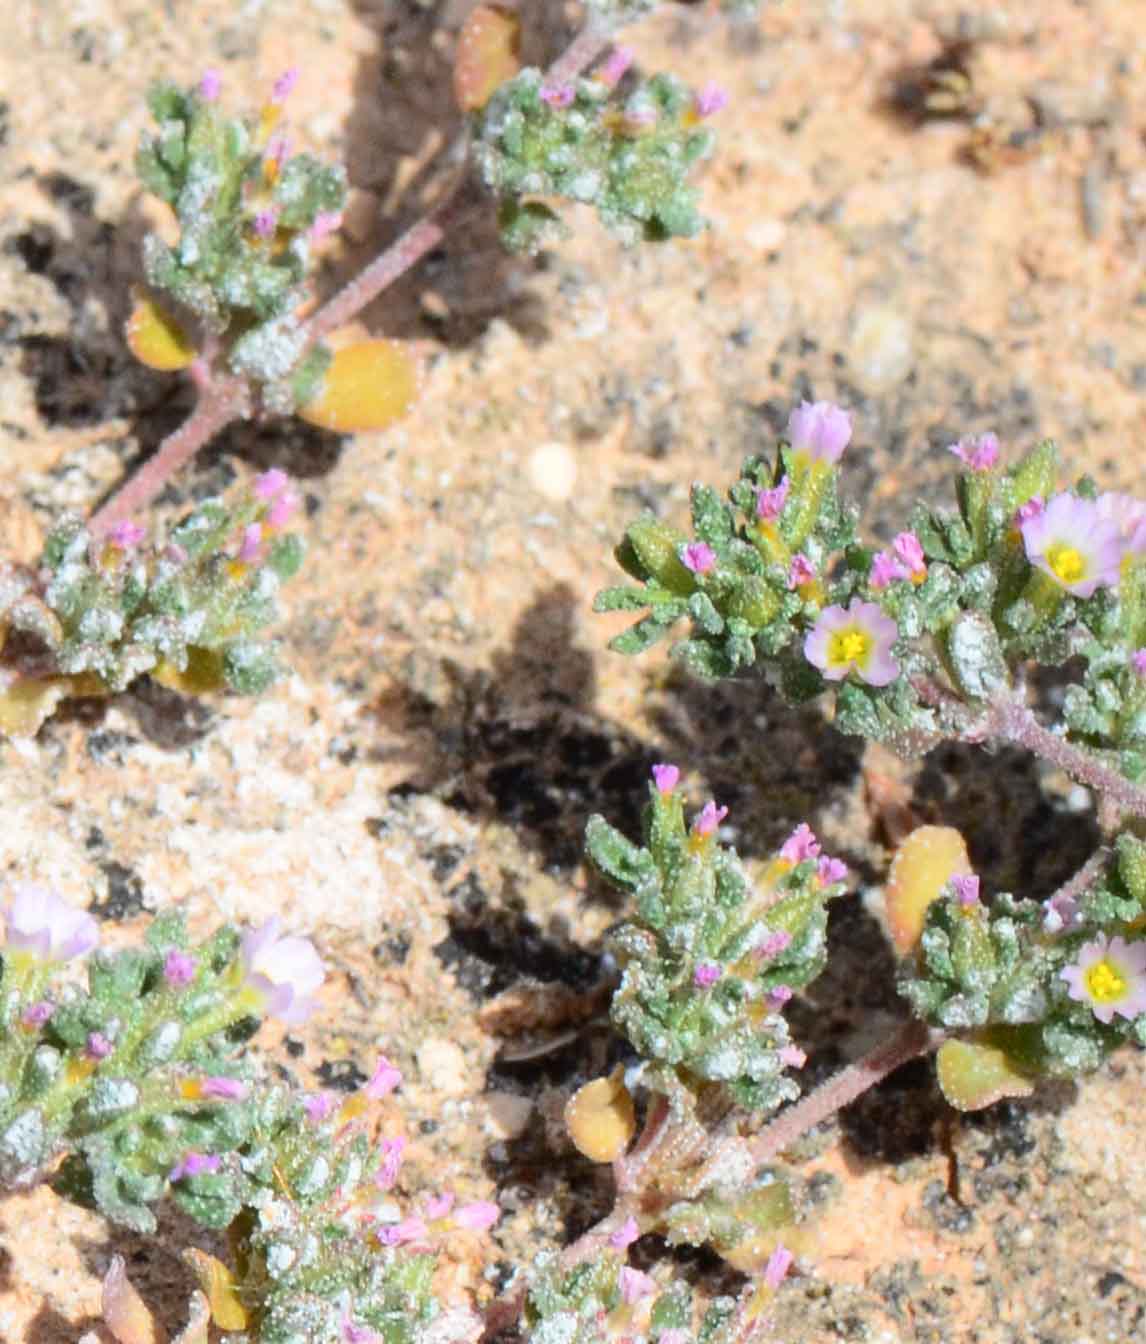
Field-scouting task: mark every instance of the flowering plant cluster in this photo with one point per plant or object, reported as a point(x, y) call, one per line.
point(97, 612)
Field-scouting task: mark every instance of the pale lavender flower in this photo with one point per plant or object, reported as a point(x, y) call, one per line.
point(699, 557)
point(800, 845)
point(285, 973)
point(403, 1233)
point(282, 509)
point(126, 535)
point(779, 996)
point(1075, 545)
point(830, 871)
point(1059, 913)
point(46, 927)
point(325, 223)
point(710, 818)
point(37, 1014)
point(616, 64)
point(319, 1106)
point(1031, 509)
point(194, 1164)
point(1129, 515)
point(438, 1206)
point(1110, 977)
point(885, 569)
point(625, 1235)
point(479, 1216)
point(384, 1079)
point(909, 551)
point(770, 503)
point(966, 887)
point(98, 1046)
point(979, 451)
point(635, 1284)
point(666, 777)
point(779, 1263)
point(856, 639)
point(178, 968)
point(1138, 661)
point(270, 484)
point(557, 95)
point(772, 944)
point(801, 571)
point(392, 1150)
point(792, 1057)
point(248, 551)
point(265, 223)
point(820, 430)
point(709, 100)
point(706, 975)
point(210, 85)
point(284, 85)
point(278, 147)
point(352, 1333)
point(674, 1335)
point(218, 1088)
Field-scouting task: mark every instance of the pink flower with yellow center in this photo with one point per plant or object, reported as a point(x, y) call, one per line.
point(1110, 977)
point(283, 974)
point(819, 430)
point(858, 638)
point(1072, 542)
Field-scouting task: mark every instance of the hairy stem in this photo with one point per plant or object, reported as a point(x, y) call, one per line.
point(1012, 721)
point(223, 402)
point(589, 43)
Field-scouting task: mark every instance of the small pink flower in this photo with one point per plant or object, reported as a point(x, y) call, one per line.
point(194, 1164)
point(557, 95)
point(1109, 976)
point(909, 551)
point(401, 1234)
point(779, 1262)
point(819, 430)
point(885, 569)
point(625, 1235)
point(384, 1080)
point(831, 871)
point(270, 484)
point(353, 1333)
point(178, 968)
point(709, 100)
point(248, 551)
point(1129, 515)
point(285, 973)
point(326, 222)
point(710, 818)
point(278, 147)
point(46, 927)
point(770, 503)
point(1031, 509)
point(438, 1206)
point(1075, 545)
point(210, 85)
point(779, 996)
point(674, 1335)
point(1060, 913)
point(282, 509)
point(126, 535)
point(265, 223)
point(98, 1046)
point(392, 1150)
point(980, 452)
point(801, 571)
point(634, 1284)
point(792, 1057)
point(319, 1106)
point(966, 887)
point(1138, 661)
point(771, 945)
point(615, 66)
point(37, 1014)
point(800, 845)
point(218, 1088)
point(666, 778)
point(706, 975)
point(284, 85)
point(479, 1216)
point(699, 557)
point(856, 639)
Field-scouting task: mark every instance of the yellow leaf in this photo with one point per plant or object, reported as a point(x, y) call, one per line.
point(124, 1311)
point(156, 339)
point(368, 386)
point(974, 1074)
point(926, 861)
point(489, 53)
point(219, 1287)
point(203, 673)
point(25, 705)
point(600, 1118)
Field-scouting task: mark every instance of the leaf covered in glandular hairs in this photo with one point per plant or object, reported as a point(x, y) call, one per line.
point(488, 54)
point(156, 339)
point(368, 386)
point(923, 865)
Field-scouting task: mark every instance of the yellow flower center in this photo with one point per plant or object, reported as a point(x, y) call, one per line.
point(1105, 983)
point(1066, 562)
point(848, 646)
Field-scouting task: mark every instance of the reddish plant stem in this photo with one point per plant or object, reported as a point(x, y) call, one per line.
point(589, 43)
point(223, 402)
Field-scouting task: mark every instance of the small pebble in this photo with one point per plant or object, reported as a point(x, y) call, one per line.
point(553, 471)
